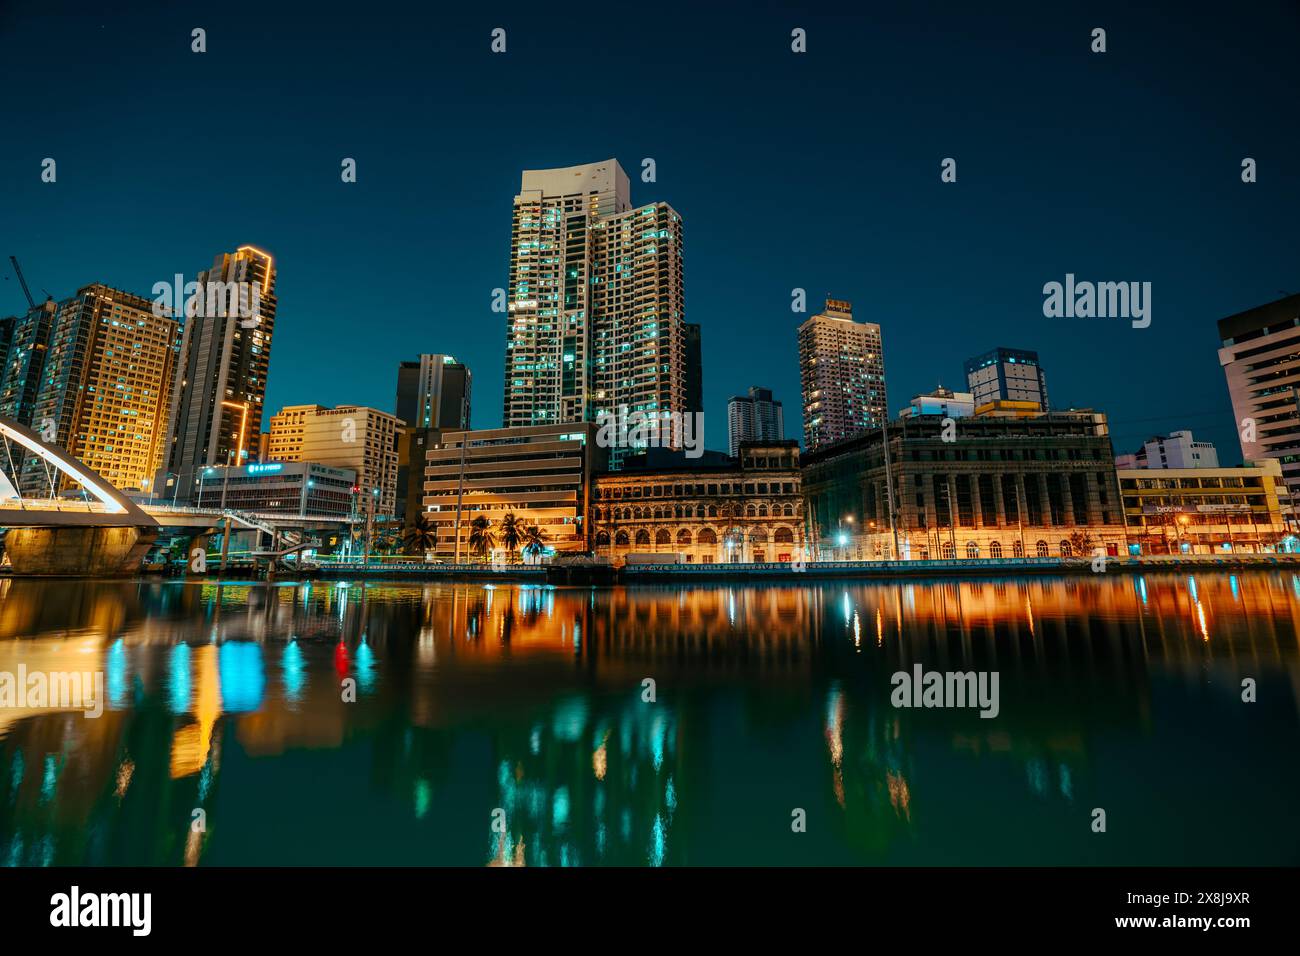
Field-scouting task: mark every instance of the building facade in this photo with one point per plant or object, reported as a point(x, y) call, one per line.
point(842, 375)
point(1257, 355)
point(103, 389)
point(753, 417)
point(220, 380)
point(596, 302)
point(364, 440)
point(24, 363)
point(541, 474)
point(434, 392)
point(714, 509)
point(1009, 375)
point(303, 488)
point(1176, 450)
point(1003, 487)
point(694, 368)
point(1207, 510)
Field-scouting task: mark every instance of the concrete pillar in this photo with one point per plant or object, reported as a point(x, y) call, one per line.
point(1067, 499)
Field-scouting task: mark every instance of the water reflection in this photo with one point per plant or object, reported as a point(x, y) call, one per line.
point(426, 724)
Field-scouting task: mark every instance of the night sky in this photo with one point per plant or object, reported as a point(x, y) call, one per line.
point(818, 171)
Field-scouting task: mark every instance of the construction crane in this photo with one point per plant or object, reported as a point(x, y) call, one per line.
point(23, 282)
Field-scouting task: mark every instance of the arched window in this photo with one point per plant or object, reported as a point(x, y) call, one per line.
point(1017, 549)
point(995, 549)
point(663, 538)
point(1041, 547)
point(972, 549)
point(758, 537)
point(949, 552)
point(1066, 550)
point(749, 511)
point(684, 537)
point(598, 513)
point(713, 511)
point(636, 512)
point(620, 539)
point(783, 536)
point(707, 536)
point(787, 512)
point(762, 511)
point(602, 539)
point(643, 538)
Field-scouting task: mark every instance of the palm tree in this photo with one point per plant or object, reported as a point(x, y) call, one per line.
point(481, 538)
point(512, 532)
point(422, 536)
point(534, 539)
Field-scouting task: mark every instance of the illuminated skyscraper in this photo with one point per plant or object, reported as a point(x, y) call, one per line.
point(216, 407)
point(842, 371)
point(103, 389)
point(595, 301)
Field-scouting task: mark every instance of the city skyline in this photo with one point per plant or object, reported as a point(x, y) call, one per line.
point(935, 269)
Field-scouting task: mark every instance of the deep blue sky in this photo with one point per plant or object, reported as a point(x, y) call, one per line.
point(819, 171)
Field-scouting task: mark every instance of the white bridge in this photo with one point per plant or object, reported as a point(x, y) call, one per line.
point(102, 505)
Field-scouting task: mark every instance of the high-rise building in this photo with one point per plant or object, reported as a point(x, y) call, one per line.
point(1257, 359)
point(842, 371)
point(104, 389)
point(349, 436)
point(433, 392)
point(220, 381)
point(755, 417)
point(6, 338)
point(694, 369)
point(595, 302)
point(24, 362)
point(1007, 375)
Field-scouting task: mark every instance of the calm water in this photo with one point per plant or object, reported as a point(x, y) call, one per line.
point(1117, 692)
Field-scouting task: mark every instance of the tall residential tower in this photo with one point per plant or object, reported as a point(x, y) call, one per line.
point(595, 301)
point(842, 372)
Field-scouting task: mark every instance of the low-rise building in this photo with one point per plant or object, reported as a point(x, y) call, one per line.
point(1204, 510)
point(714, 508)
point(982, 487)
point(1176, 450)
point(540, 473)
point(302, 488)
point(943, 402)
point(349, 436)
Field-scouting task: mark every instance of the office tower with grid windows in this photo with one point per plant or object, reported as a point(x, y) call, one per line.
point(1007, 375)
point(755, 417)
point(595, 305)
point(220, 383)
point(433, 392)
point(842, 374)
